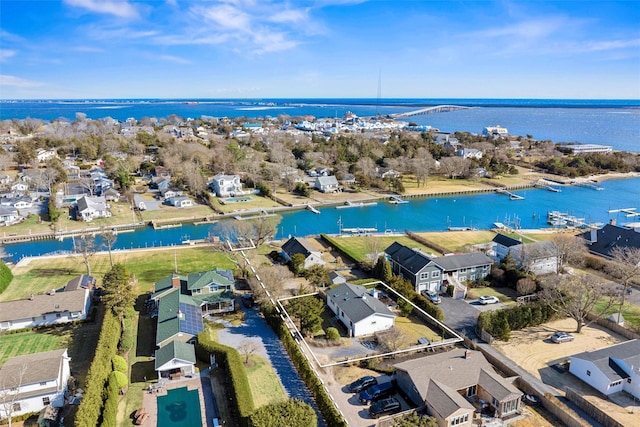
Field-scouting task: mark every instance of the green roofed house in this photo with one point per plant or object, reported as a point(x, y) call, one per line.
point(182, 301)
point(175, 359)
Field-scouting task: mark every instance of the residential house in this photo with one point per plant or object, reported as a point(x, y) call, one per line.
point(8, 215)
point(537, 257)
point(175, 359)
point(43, 155)
point(469, 153)
point(601, 242)
point(611, 369)
point(88, 208)
point(448, 383)
point(299, 245)
point(180, 202)
point(17, 201)
point(111, 195)
point(472, 266)
point(160, 182)
point(387, 173)
point(327, 184)
point(336, 278)
point(502, 245)
point(20, 186)
point(182, 301)
point(348, 179)
point(361, 312)
point(226, 185)
point(42, 310)
point(495, 131)
point(5, 179)
point(35, 381)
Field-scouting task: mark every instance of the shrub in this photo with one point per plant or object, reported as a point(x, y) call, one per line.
point(332, 334)
point(500, 323)
point(119, 364)
point(526, 286)
point(291, 412)
point(112, 392)
point(6, 276)
point(119, 379)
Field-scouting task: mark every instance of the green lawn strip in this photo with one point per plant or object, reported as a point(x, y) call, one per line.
point(412, 328)
point(358, 247)
point(505, 295)
point(265, 385)
point(257, 202)
point(630, 312)
point(30, 342)
point(457, 240)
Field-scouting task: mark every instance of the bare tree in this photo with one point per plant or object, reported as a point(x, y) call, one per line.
point(372, 246)
point(85, 245)
point(273, 279)
point(10, 390)
point(570, 250)
point(87, 183)
point(577, 296)
point(454, 167)
point(391, 339)
point(247, 348)
point(109, 238)
point(625, 266)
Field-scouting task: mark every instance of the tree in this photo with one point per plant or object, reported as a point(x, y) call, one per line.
point(577, 296)
point(317, 275)
point(85, 245)
point(119, 378)
point(247, 348)
point(118, 294)
point(391, 339)
point(273, 278)
point(297, 263)
point(526, 286)
point(372, 245)
point(569, 250)
point(307, 310)
point(109, 238)
point(625, 266)
point(10, 390)
point(413, 419)
point(291, 412)
point(332, 334)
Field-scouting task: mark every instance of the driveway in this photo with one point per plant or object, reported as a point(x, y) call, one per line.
point(256, 329)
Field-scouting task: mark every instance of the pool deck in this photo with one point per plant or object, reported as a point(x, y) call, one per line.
point(150, 403)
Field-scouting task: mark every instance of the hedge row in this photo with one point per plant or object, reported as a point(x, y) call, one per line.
point(291, 412)
point(112, 393)
point(500, 323)
point(6, 276)
point(89, 411)
point(230, 361)
point(336, 244)
point(328, 410)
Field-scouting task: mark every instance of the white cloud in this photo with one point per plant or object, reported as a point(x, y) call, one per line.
point(7, 80)
point(290, 15)
point(121, 9)
point(88, 49)
point(175, 59)
point(225, 16)
point(6, 54)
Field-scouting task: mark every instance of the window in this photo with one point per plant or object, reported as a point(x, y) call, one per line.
point(615, 383)
point(472, 391)
point(16, 407)
point(196, 291)
point(44, 317)
point(424, 275)
point(435, 273)
point(45, 400)
point(58, 315)
point(588, 373)
point(43, 383)
point(461, 419)
point(510, 406)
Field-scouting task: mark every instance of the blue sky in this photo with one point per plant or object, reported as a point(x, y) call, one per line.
point(321, 49)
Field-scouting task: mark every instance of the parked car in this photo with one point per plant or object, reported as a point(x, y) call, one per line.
point(488, 299)
point(432, 296)
point(247, 300)
point(361, 383)
point(560, 337)
point(531, 400)
point(384, 407)
point(376, 392)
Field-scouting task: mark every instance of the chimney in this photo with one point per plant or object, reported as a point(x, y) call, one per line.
point(594, 236)
point(175, 281)
point(467, 354)
point(612, 221)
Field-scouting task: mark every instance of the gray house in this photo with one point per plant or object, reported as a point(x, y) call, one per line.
point(298, 245)
point(327, 184)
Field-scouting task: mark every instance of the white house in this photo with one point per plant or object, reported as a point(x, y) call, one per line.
point(20, 186)
point(327, 184)
point(360, 311)
point(180, 202)
point(34, 381)
point(537, 257)
point(8, 215)
point(39, 310)
point(611, 369)
point(44, 155)
point(298, 245)
point(226, 185)
point(502, 244)
point(175, 359)
point(89, 208)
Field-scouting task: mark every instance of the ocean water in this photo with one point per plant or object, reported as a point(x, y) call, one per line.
point(608, 122)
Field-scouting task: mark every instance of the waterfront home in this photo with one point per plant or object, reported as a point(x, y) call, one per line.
point(17, 201)
point(181, 301)
point(88, 208)
point(502, 245)
point(495, 131)
point(176, 359)
point(43, 155)
point(300, 245)
point(469, 153)
point(34, 381)
point(8, 215)
point(180, 202)
point(536, 257)
point(20, 186)
point(611, 369)
point(360, 312)
point(43, 310)
point(327, 184)
point(111, 195)
point(226, 185)
point(601, 242)
point(450, 383)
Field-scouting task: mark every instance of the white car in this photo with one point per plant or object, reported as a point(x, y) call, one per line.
point(488, 299)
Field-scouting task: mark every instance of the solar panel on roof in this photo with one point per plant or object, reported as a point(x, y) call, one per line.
point(192, 323)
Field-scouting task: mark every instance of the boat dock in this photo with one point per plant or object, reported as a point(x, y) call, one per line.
point(548, 187)
point(512, 196)
point(359, 230)
point(561, 219)
point(396, 200)
point(312, 209)
point(350, 204)
point(630, 212)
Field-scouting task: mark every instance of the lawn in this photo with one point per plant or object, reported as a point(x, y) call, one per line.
point(264, 383)
point(630, 312)
point(12, 345)
point(457, 240)
point(358, 247)
point(257, 202)
point(505, 295)
point(45, 273)
point(413, 328)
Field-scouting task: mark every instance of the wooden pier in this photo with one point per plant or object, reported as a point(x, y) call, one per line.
point(350, 204)
point(312, 209)
point(512, 196)
point(396, 200)
point(629, 212)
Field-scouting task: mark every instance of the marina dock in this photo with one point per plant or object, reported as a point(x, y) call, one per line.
point(591, 185)
point(396, 200)
point(512, 196)
point(312, 209)
point(350, 204)
point(548, 188)
point(629, 212)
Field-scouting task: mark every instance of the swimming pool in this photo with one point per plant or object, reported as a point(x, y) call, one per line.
point(237, 199)
point(179, 408)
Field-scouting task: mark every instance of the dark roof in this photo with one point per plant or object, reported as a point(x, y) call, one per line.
point(357, 303)
point(83, 281)
point(445, 400)
point(410, 259)
point(507, 241)
point(297, 245)
point(602, 241)
point(456, 262)
point(608, 359)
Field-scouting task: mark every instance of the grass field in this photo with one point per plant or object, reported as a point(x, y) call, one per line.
point(45, 273)
point(358, 247)
point(413, 328)
point(256, 202)
point(265, 385)
point(505, 295)
point(630, 312)
point(32, 342)
point(457, 240)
